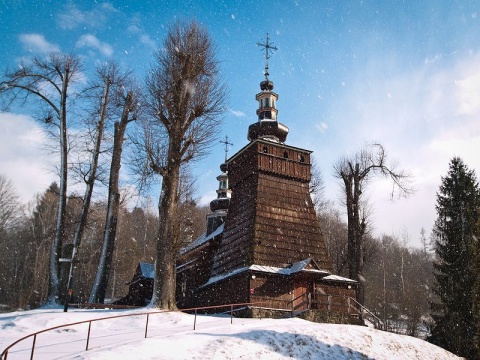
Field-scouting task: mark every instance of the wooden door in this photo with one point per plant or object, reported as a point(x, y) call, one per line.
point(300, 295)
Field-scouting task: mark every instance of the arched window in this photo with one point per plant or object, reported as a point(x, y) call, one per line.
point(265, 150)
point(285, 154)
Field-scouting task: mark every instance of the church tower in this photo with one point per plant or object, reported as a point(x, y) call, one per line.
point(271, 219)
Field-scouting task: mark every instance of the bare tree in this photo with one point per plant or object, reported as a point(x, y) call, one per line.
point(317, 188)
point(186, 100)
point(127, 98)
point(108, 79)
point(9, 203)
point(49, 81)
point(355, 172)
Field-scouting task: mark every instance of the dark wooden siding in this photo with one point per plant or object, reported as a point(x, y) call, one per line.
point(196, 270)
point(235, 249)
point(275, 292)
point(334, 297)
point(286, 227)
point(283, 161)
point(232, 290)
point(271, 220)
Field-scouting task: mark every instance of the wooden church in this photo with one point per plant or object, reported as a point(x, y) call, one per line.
point(263, 243)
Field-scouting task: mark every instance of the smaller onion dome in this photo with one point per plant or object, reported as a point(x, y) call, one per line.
point(223, 192)
point(266, 85)
point(220, 204)
point(224, 167)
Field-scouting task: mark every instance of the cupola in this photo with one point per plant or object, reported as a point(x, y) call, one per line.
point(267, 127)
point(219, 206)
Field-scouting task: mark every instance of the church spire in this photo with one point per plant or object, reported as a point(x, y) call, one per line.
point(267, 127)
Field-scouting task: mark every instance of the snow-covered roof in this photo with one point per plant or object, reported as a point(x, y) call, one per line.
point(201, 240)
point(338, 278)
point(295, 268)
point(147, 270)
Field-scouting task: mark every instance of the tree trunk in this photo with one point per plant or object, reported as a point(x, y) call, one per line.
point(56, 249)
point(355, 230)
point(97, 294)
point(358, 235)
point(165, 266)
point(82, 221)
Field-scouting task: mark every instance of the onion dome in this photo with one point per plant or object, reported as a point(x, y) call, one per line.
point(266, 85)
point(222, 201)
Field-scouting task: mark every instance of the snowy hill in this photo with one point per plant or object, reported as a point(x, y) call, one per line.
point(171, 336)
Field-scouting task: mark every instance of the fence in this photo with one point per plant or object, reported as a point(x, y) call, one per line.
point(338, 303)
point(232, 308)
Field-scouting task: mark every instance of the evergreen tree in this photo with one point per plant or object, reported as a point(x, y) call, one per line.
point(454, 233)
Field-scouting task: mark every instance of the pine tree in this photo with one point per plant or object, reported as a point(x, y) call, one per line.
point(455, 233)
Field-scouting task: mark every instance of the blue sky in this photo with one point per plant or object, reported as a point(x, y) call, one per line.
point(405, 74)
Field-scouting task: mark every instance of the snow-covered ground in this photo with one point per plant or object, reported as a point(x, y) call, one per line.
point(171, 336)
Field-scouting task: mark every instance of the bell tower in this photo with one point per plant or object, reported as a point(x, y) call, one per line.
point(271, 219)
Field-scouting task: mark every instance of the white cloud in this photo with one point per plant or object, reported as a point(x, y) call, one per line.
point(433, 59)
point(424, 115)
point(91, 41)
point(237, 113)
point(72, 17)
point(145, 39)
point(22, 157)
point(136, 29)
point(322, 127)
point(468, 94)
point(36, 43)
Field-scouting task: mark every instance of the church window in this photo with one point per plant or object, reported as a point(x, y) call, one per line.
point(265, 150)
point(285, 154)
point(223, 184)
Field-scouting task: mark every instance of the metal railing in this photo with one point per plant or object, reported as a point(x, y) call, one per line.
point(366, 313)
point(194, 311)
point(309, 301)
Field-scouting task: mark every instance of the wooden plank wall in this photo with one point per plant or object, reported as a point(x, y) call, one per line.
point(231, 290)
point(275, 292)
point(286, 226)
point(338, 299)
point(235, 249)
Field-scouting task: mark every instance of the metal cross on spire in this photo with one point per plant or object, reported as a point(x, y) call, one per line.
point(269, 49)
point(226, 143)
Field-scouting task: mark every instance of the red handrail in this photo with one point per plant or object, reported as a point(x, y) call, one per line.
point(4, 354)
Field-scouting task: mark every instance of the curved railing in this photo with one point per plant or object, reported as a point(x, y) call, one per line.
point(4, 354)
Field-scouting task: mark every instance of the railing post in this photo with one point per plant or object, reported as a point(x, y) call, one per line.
point(329, 302)
point(88, 335)
point(146, 327)
point(348, 305)
point(195, 320)
point(231, 314)
point(33, 346)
